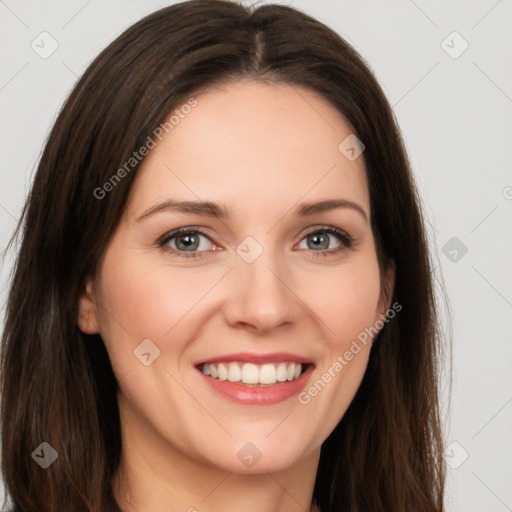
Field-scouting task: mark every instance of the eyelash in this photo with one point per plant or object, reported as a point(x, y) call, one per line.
point(347, 242)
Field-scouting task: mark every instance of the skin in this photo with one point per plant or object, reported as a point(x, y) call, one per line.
point(259, 150)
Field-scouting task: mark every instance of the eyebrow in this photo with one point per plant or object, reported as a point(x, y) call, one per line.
point(211, 209)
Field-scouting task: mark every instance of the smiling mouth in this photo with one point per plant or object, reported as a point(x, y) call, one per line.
point(254, 375)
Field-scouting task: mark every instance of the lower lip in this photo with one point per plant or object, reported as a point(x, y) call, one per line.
point(257, 395)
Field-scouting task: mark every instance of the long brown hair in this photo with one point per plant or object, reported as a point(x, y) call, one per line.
point(57, 383)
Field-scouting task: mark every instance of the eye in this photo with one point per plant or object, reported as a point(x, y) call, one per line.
point(320, 239)
point(185, 242)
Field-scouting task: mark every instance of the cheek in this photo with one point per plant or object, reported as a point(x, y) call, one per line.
point(141, 293)
point(347, 307)
point(139, 302)
point(143, 299)
point(346, 301)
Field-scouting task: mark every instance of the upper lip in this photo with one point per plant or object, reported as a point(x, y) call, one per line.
point(249, 357)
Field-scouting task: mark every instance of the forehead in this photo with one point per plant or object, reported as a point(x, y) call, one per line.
point(252, 145)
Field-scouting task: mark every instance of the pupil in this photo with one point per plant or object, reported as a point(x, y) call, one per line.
point(187, 241)
point(318, 238)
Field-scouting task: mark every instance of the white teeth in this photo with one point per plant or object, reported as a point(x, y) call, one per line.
point(249, 373)
point(281, 372)
point(234, 372)
point(213, 371)
point(267, 374)
point(223, 372)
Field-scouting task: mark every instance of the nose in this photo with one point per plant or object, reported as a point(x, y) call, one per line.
point(261, 295)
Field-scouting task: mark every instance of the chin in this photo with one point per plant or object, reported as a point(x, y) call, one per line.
point(261, 454)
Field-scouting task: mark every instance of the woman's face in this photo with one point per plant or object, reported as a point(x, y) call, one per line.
point(256, 291)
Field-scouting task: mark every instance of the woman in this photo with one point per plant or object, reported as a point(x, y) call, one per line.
point(223, 297)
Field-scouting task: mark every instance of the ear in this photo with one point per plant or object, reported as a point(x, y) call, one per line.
point(87, 310)
point(387, 288)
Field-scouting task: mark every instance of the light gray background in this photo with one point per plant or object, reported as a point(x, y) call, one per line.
point(456, 119)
